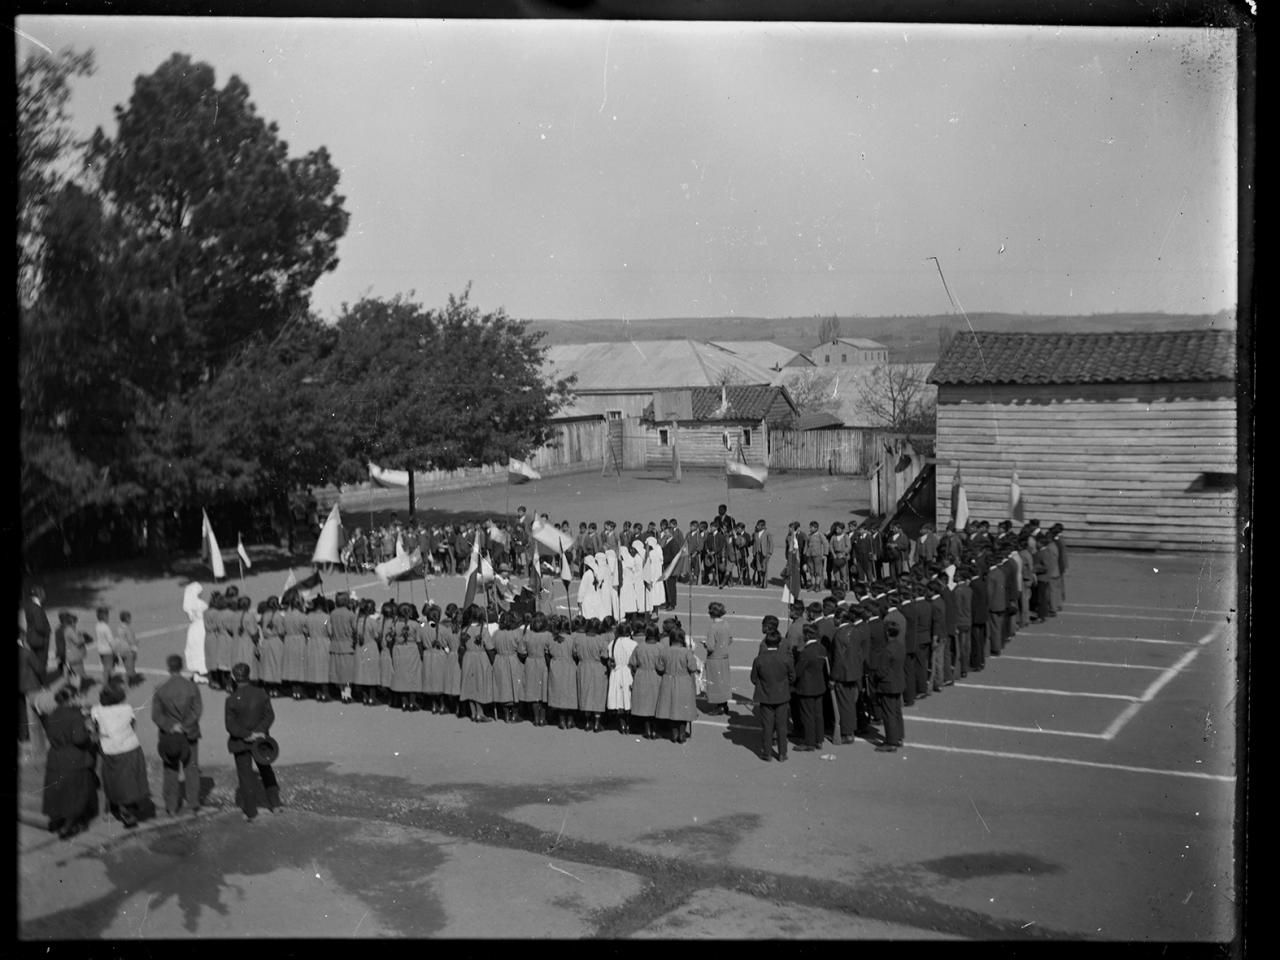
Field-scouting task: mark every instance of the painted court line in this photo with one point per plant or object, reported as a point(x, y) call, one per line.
point(1003, 726)
point(1134, 616)
point(1141, 606)
point(1189, 774)
point(1084, 663)
point(1050, 693)
point(1157, 685)
point(1090, 636)
point(1038, 758)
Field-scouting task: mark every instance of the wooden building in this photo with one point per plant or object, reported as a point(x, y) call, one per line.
point(711, 423)
point(1126, 439)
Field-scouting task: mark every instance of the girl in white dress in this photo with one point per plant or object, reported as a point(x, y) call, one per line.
point(194, 607)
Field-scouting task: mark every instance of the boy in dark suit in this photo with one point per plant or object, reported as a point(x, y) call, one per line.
point(772, 673)
point(249, 717)
point(889, 682)
point(813, 680)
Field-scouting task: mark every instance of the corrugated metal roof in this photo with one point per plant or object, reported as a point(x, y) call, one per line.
point(637, 365)
point(1048, 358)
point(851, 385)
point(763, 353)
point(856, 342)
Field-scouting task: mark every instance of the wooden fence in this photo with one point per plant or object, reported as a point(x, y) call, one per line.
point(850, 450)
point(577, 446)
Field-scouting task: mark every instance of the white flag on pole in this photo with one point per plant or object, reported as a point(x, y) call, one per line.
point(211, 545)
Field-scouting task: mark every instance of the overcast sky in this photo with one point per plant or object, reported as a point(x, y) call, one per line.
point(579, 170)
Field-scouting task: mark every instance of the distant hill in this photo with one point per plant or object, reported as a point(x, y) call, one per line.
point(913, 339)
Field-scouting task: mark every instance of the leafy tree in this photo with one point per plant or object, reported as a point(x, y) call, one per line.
point(896, 394)
point(814, 392)
point(440, 389)
point(221, 234)
point(47, 150)
point(192, 237)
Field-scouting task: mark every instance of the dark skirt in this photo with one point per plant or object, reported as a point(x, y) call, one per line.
point(294, 668)
point(271, 659)
point(435, 670)
point(562, 685)
point(453, 675)
point(676, 697)
point(508, 678)
point(386, 668)
point(317, 665)
point(406, 668)
point(342, 667)
point(243, 651)
point(368, 666)
point(477, 677)
point(534, 688)
point(644, 692)
point(70, 786)
point(719, 681)
point(226, 645)
point(124, 778)
point(593, 686)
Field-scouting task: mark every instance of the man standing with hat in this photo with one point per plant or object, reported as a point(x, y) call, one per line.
point(249, 717)
point(176, 707)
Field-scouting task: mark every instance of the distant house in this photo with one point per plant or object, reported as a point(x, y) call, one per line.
point(1127, 439)
point(819, 420)
point(617, 379)
point(854, 386)
point(849, 351)
point(764, 353)
point(711, 423)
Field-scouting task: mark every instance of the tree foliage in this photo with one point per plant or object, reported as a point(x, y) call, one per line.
point(440, 388)
point(814, 392)
point(897, 395)
point(191, 236)
point(829, 329)
point(221, 234)
point(47, 150)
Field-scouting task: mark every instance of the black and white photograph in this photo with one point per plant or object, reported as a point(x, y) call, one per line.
point(569, 478)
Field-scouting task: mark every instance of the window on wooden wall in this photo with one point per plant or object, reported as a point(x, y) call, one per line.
point(844, 358)
point(613, 414)
point(746, 437)
point(826, 358)
point(664, 438)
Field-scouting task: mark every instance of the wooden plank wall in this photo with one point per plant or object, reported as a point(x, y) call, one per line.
point(1114, 472)
point(702, 445)
point(850, 450)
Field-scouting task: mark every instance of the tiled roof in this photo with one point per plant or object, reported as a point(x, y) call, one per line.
point(743, 403)
point(1030, 358)
point(639, 365)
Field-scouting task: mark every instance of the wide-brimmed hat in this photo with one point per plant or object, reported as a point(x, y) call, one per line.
point(265, 750)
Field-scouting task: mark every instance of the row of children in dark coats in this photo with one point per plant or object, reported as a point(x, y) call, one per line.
point(457, 661)
point(854, 663)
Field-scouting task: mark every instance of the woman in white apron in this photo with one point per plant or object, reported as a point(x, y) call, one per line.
point(194, 608)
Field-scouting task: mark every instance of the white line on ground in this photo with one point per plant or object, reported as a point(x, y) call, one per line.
point(1083, 663)
point(1089, 636)
point(1191, 774)
point(1141, 606)
point(1134, 616)
point(1003, 726)
point(1004, 754)
point(1052, 693)
point(1156, 686)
